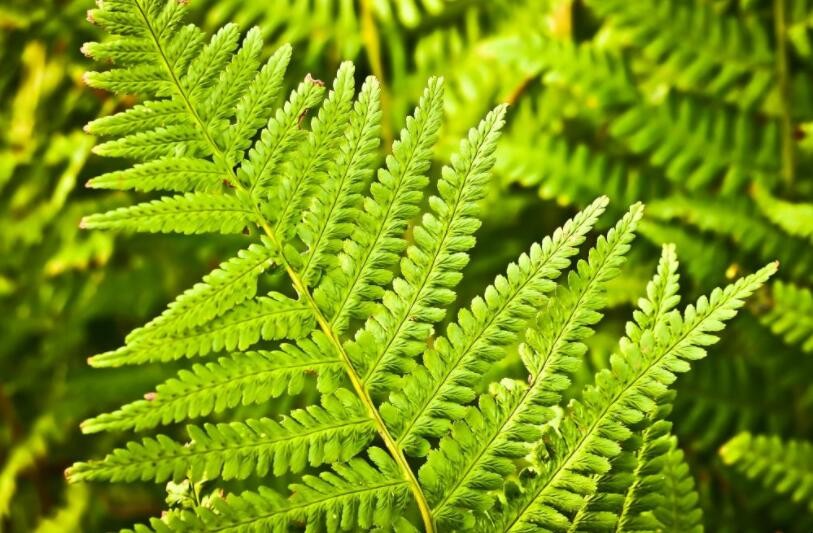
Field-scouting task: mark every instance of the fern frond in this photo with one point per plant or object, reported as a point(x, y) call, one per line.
point(207, 66)
point(697, 145)
point(271, 317)
point(738, 220)
point(355, 494)
point(232, 283)
point(678, 509)
point(163, 141)
point(435, 393)
point(482, 449)
point(588, 72)
point(241, 379)
point(698, 49)
point(308, 168)
point(282, 133)
point(640, 374)
point(567, 171)
point(661, 293)
point(649, 487)
point(389, 342)
point(179, 174)
point(146, 116)
point(792, 315)
point(190, 213)
point(786, 467)
point(255, 104)
point(795, 218)
point(335, 431)
point(305, 193)
point(372, 251)
point(333, 213)
point(232, 83)
point(657, 489)
point(627, 493)
point(137, 79)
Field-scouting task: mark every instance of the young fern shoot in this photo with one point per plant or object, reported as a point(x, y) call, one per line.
point(400, 438)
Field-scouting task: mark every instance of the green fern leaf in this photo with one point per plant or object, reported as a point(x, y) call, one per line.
point(334, 241)
point(795, 219)
point(335, 431)
point(259, 168)
point(626, 495)
point(372, 251)
point(333, 212)
point(270, 317)
point(255, 104)
point(163, 141)
point(438, 391)
point(180, 174)
point(698, 49)
point(241, 379)
point(640, 375)
point(478, 458)
point(191, 213)
point(792, 315)
point(678, 509)
point(355, 494)
point(308, 168)
point(697, 144)
point(232, 83)
point(232, 283)
point(389, 343)
point(146, 116)
point(783, 466)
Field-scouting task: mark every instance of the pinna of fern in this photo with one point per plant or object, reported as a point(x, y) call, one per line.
point(786, 467)
point(401, 438)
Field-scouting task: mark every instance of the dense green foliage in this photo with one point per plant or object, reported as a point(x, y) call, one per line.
point(340, 376)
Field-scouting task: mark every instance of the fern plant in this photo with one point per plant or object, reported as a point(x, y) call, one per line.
point(702, 110)
point(405, 433)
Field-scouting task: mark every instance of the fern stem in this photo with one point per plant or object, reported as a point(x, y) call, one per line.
point(299, 285)
point(358, 386)
point(783, 75)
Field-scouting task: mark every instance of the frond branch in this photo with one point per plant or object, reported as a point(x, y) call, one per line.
point(303, 291)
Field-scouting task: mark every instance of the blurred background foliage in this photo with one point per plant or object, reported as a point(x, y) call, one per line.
point(703, 109)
